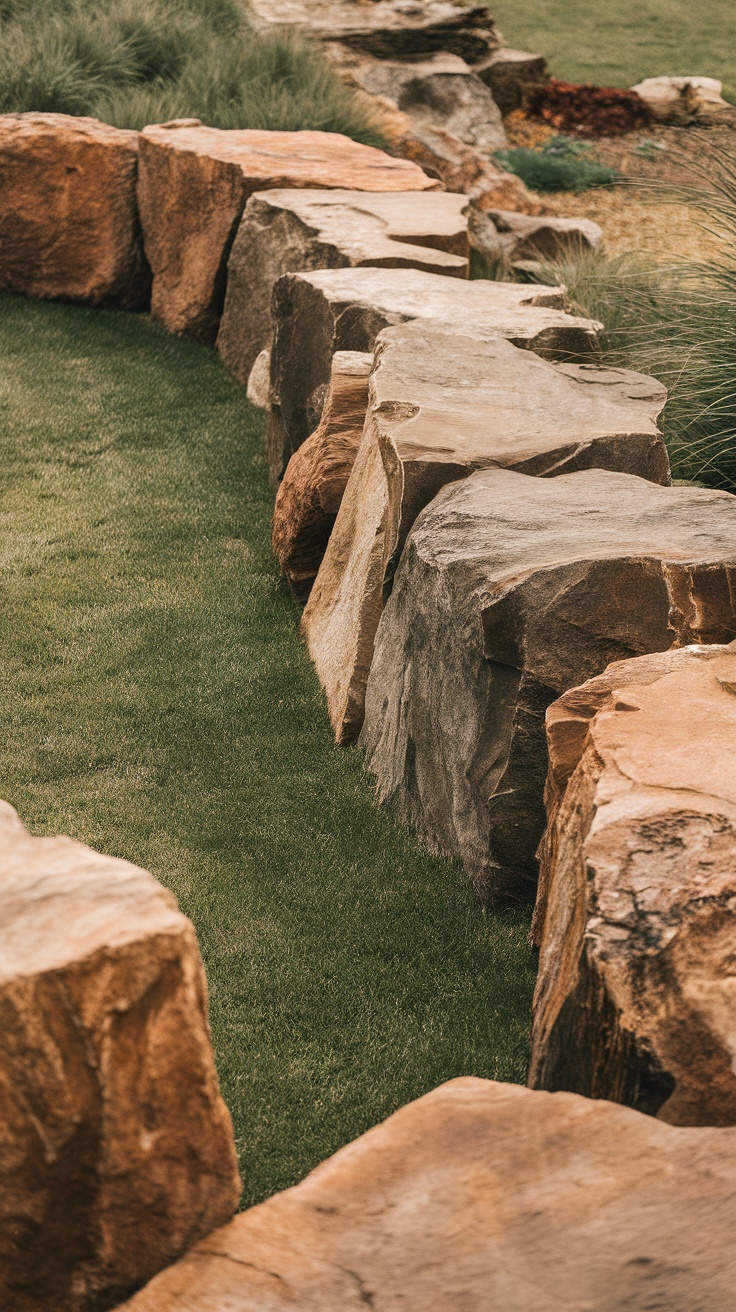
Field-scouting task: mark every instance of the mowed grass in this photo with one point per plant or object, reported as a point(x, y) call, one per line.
point(620, 44)
point(158, 705)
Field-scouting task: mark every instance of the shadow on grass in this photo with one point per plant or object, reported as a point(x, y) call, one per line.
point(160, 706)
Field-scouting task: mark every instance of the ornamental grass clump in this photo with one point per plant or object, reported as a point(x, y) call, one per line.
point(133, 62)
point(563, 164)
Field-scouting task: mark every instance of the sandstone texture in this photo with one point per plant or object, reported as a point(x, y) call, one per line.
point(68, 216)
point(636, 996)
point(484, 1196)
point(316, 314)
point(117, 1151)
point(493, 405)
point(507, 237)
point(387, 29)
point(312, 488)
point(685, 100)
point(511, 75)
point(194, 182)
point(289, 231)
point(510, 591)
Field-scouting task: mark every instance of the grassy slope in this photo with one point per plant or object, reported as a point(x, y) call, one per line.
point(159, 706)
point(619, 44)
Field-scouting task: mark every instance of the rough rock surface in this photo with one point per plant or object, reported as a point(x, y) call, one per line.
point(388, 29)
point(511, 75)
point(685, 99)
point(508, 237)
point(484, 1196)
point(117, 1151)
point(194, 182)
point(316, 314)
point(289, 231)
point(510, 591)
point(68, 215)
point(316, 476)
point(492, 405)
point(636, 996)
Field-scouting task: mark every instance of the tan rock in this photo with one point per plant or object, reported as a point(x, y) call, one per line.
point(194, 183)
point(484, 1196)
point(68, 215)
point(504, 236)
point(387, 29)
point(491, 405)
point(117, 1151)
point(636, 997)
point(259, 381)
point(511, 590)
point(316, 314)
point(312, 488)
point(289, 231)
point(511, 76)
point(685, 100)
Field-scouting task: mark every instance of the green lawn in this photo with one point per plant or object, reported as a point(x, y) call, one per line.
point(159, 705)
point(619, 44)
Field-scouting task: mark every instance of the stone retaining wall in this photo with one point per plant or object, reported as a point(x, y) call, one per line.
point(479, 522)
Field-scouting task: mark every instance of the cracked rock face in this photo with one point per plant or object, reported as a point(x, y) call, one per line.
point(480, 1196)
point(194, 182)
point(294, 230)
point(312, 488)
point(492, 405)
point(317, 314)
point(387, 29)
point(510, 591)
point(636, 996)
point(117, 1151)
point(68, 215)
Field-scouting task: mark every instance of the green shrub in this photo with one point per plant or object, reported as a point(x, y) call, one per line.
point(133, 62)
point(561, 165)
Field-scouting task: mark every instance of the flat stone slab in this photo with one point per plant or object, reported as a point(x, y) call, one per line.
point(636, 996)
point(312, 488)
point(491, 404)
point(293, 230)
point(510, 591)
point(68, 214)
point(387, 29)
point(117, 1151)
point(194, 182)
point(316, 314)
point(484, 1196)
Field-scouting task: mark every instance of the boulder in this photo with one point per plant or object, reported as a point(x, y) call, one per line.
point(636, 996)
point(259, 381)
point(117, 1149)
point(484, 1196)
point(68, 215)
point(386, 29)
point(289, 231)
point(316, 314)
point(194, 182)
point(511, 75)
point(494, 405)
point(685, 100)
point(506, 237)
point(310, 493)
point(510, 591)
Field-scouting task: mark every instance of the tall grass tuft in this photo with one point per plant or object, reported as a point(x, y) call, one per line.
point(133, 62)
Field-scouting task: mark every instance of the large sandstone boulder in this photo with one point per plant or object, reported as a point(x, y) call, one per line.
point(636, 996)
point(511, 590)
point(511, 76)
point(686, 100)
point(312, 488)
point(387, 29)
point(316, 314)
point(194, 183)
point(117, 1151)
point(507, 237)
point(491, 405)
point(480, 1197)
point(288, 231)
point(68, 214)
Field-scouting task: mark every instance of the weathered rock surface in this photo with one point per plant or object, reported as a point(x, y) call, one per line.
point(493, 405)
point(316, 314)
point(117, 1151)
point(68, 215)
point(387, 29)
point(312, 488)
point(636, 996)
point(685, 99)
point(511, 75)
point(193, 185)
point(510, 591)
point(484, 1196)
point(506, 236)
point(288, 231)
